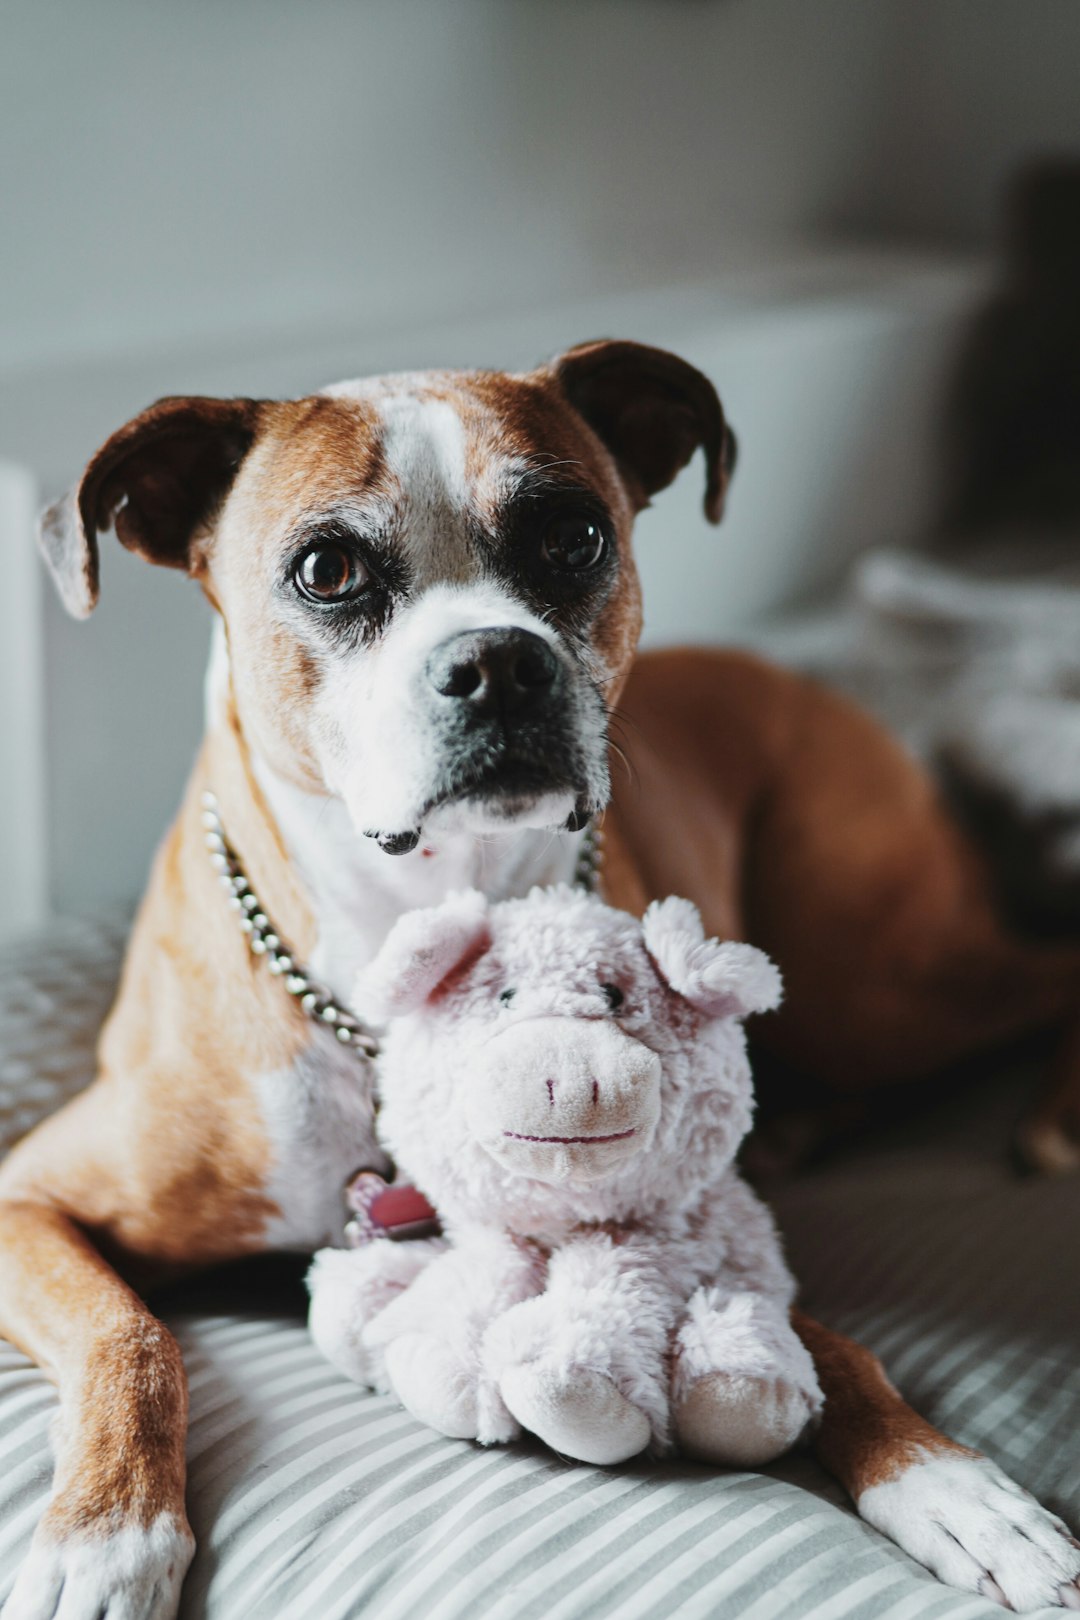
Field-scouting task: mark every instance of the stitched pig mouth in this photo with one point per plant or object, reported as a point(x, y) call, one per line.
point(617, 1136)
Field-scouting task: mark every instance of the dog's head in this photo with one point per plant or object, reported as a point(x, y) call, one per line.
point(426, 581)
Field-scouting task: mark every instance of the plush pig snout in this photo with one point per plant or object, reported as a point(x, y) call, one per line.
point(564, 1099)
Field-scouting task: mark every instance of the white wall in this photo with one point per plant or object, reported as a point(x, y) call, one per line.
point(180, 167)
point(973, 88)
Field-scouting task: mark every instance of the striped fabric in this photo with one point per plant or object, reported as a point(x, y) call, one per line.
point(313, 1500)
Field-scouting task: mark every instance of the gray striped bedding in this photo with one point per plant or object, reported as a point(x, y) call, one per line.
point(313, 1500)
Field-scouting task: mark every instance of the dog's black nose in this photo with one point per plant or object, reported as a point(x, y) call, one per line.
point(494, 671)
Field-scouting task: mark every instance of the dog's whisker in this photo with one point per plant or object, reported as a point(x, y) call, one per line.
point(631, 775)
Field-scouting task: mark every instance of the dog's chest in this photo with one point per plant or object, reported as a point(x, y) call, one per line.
point(319, 1119)
point(318, 1113)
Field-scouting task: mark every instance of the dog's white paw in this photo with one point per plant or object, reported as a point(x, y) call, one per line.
point(578, 1413)
point(974, 1528)
point(737, 1421)
point(126, 1574)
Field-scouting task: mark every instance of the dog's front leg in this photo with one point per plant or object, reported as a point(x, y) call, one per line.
point(949, 1507)
point(115, 1538)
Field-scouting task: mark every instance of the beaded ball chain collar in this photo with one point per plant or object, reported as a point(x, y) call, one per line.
point(264, 939)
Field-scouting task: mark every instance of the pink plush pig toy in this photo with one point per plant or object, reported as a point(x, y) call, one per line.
point(568, 1086)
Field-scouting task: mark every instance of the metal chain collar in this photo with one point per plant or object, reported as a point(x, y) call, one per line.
point(264, 940)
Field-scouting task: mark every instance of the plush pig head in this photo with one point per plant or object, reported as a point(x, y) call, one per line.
point(567, 1042)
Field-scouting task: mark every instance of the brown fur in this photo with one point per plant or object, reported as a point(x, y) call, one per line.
point(870, 1435)
point(161, 1157)
point(122, 1445)
point(802, 826)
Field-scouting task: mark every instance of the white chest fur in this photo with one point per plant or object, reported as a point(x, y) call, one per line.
point(318, 1114)
point(357, 891)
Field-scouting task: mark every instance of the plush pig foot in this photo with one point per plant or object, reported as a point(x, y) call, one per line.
point(576, 1412)
point(744, 1388)
point(433, 1384)
point(740, 1422)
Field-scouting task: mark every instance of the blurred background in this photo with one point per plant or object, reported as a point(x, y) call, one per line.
point(811, 202)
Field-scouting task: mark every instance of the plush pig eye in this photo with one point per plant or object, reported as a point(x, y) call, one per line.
point(615, 997)
point(507, 996)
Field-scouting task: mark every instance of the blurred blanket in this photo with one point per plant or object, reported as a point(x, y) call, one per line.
point(977, 668)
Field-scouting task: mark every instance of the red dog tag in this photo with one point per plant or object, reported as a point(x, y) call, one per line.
point(386, 1210)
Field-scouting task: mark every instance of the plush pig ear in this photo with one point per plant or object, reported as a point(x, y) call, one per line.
point(723, 979)
point(421, 949)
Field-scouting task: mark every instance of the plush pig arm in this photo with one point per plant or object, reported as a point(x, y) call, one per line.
point(743, 1387)
point(349, 1287)
point(427, 1339)
point(584, 1365)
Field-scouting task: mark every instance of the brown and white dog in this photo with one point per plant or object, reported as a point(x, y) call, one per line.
point(428, 609)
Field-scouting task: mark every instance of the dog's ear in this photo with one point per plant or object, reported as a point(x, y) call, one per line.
point(721, 978)
point(158, 481)
point(652, 410)
point(421, 950)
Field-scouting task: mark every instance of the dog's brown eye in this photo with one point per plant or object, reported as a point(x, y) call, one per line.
point(573, 542)
point(331, 574)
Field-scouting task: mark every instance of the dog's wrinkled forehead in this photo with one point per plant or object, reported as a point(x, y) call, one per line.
point(620, 416)
point(432, 459)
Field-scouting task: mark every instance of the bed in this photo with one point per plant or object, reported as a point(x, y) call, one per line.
point(315, 1500)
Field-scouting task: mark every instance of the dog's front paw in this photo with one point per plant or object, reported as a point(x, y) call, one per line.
point(577, 1412)
point(737, 1421)
point(131, 1572)
point(976, 1529)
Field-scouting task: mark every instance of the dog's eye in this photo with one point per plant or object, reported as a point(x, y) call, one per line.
point(329, 573)
point(573, 540)
point(615, 997)
point(506, 996)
